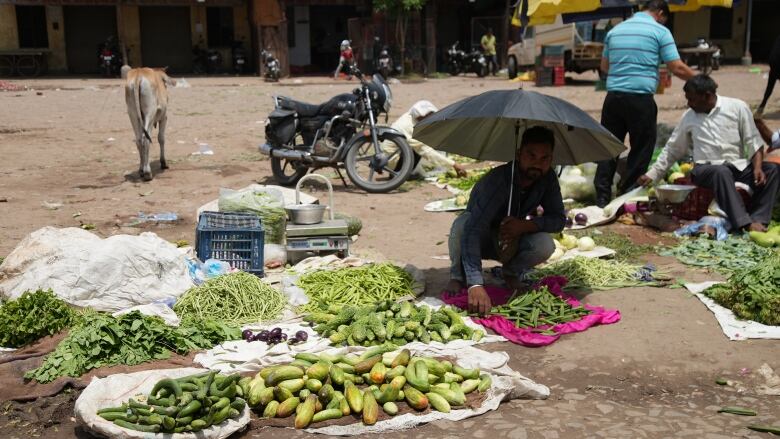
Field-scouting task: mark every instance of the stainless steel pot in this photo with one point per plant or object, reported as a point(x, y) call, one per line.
point(309, 213)
point(306, 213)
point(673, 193)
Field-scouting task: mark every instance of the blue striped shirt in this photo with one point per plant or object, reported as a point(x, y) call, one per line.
point(634, 49)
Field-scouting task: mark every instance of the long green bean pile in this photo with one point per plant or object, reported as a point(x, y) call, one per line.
point(236, 298)
point(594, 273)
point(364, 285)
point(537, 308)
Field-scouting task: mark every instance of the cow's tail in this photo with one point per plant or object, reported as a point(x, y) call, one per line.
point(138, 107)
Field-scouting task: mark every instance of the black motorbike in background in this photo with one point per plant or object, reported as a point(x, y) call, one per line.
point(460, 61)
point(271, 68)
point(340, 133)
point(239, 57)
point(110, 58)
point(205, 61)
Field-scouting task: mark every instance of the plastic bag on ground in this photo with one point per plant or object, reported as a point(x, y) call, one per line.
point(117, 389)
point(268, 204)
point(84, 270)
point(721, 226)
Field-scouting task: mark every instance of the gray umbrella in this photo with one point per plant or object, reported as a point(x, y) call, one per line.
point(488, 126)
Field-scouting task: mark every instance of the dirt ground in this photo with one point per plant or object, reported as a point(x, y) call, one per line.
point(68, 142)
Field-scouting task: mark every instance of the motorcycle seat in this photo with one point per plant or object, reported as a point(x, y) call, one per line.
point(302, 108)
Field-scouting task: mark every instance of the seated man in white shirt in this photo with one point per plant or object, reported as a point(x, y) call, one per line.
point(726, 149)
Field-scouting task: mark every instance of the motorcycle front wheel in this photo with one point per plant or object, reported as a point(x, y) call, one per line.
point(287, 172)
point(482, 70)
point(361, 165)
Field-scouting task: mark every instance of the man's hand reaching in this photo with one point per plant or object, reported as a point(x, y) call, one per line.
point(645, 180)
point(460, 170)
point(479, 301)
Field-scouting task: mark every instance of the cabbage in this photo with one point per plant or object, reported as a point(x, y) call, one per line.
point(577, 184)
point(569, 241)
point(585, 244)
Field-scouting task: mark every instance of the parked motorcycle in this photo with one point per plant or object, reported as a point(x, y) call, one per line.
point(239, 57)
point(458, 61)
point(205, 61)
point(271, 68)
point(341, 132)
point(705, 63)
point(109, 58)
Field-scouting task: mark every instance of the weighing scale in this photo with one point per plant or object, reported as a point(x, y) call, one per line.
point(319, 239)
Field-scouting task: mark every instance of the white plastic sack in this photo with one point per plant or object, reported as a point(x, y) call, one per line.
point(109, 274)
point(117, 389)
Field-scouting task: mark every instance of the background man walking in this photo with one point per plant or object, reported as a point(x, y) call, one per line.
point(632, 52)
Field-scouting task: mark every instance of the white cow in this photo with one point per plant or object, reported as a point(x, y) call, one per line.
point(146, 95)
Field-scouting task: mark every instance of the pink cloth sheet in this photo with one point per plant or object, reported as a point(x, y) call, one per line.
point(526, 336)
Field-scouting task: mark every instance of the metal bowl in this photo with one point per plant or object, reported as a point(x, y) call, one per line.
point(673, 193)
point(306, 213)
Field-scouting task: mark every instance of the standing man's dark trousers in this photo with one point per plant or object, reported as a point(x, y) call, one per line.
point(635, 115)
point(721, 178)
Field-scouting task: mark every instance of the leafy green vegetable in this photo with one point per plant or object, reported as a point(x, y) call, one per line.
point(463, 183)
point(133, 338)
point(723, 256)
point(32, 316)
point(625, 248)
point(752, 293)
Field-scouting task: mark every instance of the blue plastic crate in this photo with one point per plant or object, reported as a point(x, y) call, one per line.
point(236, 238)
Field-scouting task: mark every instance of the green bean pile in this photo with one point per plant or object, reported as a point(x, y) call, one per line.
point(593, 273)
point(537, 308)
point(364, 285)
point(236, 298)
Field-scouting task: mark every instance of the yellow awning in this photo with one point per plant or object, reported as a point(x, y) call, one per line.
point(546, 11)
point(695, 5)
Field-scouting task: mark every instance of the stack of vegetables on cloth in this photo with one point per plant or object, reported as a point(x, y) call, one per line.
point(537, 317)
point(489, 127)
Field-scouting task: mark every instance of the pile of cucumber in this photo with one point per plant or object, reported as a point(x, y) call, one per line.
point(180, 405)
point(317, 388)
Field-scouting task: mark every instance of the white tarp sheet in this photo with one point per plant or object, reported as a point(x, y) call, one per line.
point(85, 270)
point(734, 328)
point(242, 356)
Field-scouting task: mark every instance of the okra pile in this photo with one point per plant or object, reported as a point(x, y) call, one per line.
point(539, 308)
point(187, 404)
point(399, 323)
point(316, 388)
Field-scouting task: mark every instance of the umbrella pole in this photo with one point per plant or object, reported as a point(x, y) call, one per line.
point(514, 164)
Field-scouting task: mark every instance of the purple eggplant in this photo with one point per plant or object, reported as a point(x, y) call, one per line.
point(262, 336)
point(569, 221)
point(581, 219)
point(247, 335)
point(302, 336)
point(276, 331)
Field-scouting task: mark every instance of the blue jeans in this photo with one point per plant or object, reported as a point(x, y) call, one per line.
point(532, 250)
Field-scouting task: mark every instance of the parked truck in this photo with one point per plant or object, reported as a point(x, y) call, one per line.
point(581, 52)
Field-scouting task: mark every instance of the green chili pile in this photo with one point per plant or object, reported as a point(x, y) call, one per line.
point(364, 285)
point(236, 298)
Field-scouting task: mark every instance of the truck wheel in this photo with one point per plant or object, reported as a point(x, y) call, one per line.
point(511, 67)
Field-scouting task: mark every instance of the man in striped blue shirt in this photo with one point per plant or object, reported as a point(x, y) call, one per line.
point(632, 52)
